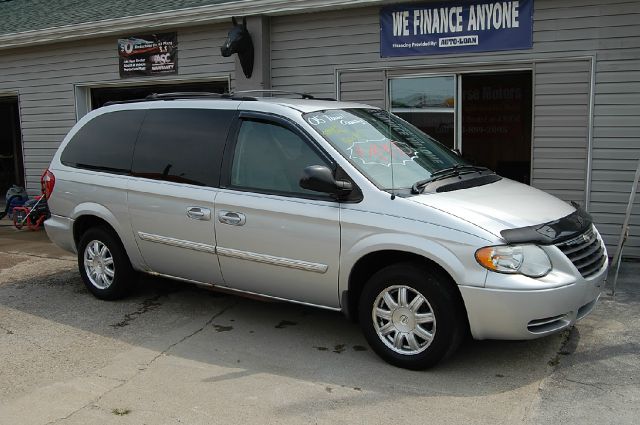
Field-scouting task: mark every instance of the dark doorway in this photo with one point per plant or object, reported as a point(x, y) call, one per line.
point(100, 96)
point(496, 122)
point(11, 165)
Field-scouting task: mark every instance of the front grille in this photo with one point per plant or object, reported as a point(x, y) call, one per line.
point(586, 252)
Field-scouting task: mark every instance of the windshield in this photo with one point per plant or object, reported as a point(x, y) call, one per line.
point(377, 142)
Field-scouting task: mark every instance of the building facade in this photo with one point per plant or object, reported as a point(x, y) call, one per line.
point(562, 114)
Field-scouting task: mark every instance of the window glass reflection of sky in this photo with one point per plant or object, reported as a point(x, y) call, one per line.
point(424, 92)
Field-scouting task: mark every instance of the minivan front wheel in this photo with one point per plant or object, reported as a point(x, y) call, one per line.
point(409, 316)
point(103, 264)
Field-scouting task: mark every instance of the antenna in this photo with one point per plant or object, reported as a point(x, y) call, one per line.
point(393, 186)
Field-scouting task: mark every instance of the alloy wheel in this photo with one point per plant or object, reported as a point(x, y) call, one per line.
point(404, 320)
point(98, 264)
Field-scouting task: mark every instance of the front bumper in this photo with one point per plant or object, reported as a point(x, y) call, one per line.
point(528, 314)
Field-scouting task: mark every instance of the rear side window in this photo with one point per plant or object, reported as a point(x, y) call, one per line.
point(182, 145)
point(105, 143)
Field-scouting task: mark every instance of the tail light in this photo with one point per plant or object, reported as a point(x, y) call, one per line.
point(47, 181)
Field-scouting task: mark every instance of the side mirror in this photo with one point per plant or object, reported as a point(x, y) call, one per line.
point(320, 179)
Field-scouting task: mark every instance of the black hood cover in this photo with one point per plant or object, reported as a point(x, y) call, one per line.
point(552, 232)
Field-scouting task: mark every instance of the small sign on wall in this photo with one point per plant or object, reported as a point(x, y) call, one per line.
point(153, 54)
point(455, 27)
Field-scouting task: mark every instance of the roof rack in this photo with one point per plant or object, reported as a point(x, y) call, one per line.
point(272, 92)
point(275, 92)
point(120, 102)
point(186, 95)
point(239, 95)
point(178, 96)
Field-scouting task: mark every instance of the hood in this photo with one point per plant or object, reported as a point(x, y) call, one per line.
point(505, 204)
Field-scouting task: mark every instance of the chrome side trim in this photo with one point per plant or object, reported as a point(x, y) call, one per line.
point(223, 288)
point(196, 246)
point(276, 261)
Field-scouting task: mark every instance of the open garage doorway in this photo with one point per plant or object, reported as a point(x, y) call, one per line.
point(102, 95)
point(11, 163)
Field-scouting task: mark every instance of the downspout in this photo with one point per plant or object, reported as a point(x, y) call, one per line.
point(592, 95)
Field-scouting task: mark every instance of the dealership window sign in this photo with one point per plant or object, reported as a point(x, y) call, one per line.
point(455, 27)
point(153, 54)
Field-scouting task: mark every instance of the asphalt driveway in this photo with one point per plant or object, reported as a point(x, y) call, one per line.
point(175, 353)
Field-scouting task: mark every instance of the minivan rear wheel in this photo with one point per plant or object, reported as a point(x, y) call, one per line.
point(409, 315)
point(104, 265)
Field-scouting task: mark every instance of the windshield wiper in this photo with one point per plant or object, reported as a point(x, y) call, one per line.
point(446, 173)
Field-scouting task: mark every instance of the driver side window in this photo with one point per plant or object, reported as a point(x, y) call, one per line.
point(270, 158)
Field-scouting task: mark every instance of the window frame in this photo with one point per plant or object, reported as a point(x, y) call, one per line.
point(273, 119)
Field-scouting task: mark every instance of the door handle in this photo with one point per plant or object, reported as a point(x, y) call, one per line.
point(199, 213)
point(232, 218)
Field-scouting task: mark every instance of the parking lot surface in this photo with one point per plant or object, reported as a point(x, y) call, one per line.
point(175, 353)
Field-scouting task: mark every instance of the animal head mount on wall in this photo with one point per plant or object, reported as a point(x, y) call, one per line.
point(239, 41)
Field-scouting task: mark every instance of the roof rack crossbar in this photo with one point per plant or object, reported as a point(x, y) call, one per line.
point(302, 95)
point(185, 95)
point(121, 102)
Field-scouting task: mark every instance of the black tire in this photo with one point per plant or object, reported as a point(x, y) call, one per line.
point(441, 301)
point(123, 274)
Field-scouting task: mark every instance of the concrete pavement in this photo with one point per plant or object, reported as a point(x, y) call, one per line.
point(175, 353)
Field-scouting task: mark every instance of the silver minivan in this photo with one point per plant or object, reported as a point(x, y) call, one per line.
point(337, 205)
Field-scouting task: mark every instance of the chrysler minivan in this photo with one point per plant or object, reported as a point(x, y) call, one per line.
point(330, 204)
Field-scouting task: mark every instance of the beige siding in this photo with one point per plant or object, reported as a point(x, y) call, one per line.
point(307, 50)
point(363, 86)
point(44, 78)
point(560, 132)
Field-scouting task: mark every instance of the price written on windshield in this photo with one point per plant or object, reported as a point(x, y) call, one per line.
point(382, 152)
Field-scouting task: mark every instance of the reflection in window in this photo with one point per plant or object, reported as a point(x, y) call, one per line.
point(428, 103)
point(423, 92)
point(105, 143)
point(440, 126)
point(271, 158)
point(182, 145)
point(376, 142)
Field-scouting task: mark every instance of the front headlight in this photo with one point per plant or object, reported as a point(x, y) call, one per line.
point(529, 260)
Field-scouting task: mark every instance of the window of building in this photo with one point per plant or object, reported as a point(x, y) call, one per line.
point(428, 103)
point(487, 116)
